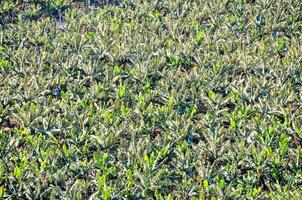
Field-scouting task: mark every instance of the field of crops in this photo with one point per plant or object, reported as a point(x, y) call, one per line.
point(166, 99)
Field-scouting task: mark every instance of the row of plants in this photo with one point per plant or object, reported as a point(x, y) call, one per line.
point(151, 100)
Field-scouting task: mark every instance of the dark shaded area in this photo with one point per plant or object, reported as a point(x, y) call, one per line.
point(9, 10)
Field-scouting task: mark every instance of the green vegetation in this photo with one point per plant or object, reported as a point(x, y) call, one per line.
point(161, 100)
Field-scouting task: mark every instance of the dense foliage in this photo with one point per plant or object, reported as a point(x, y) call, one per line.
point(166, 99)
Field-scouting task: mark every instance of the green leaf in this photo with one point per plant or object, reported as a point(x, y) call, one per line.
point(169, 197)
point(1, 192)
point(121, 91)
point(102, 181)
point(117, 69)
point(199, 37)
point(59, 3)
point(65, 150)
point(233, 123)
point(256, 191)
point(104, 189)
point(211, 95)
point(151, 159)
point(147, 85)
point(129, 173)
point(205, 184)
point(158, 195)
point(146, 158)
point(221, 183)
point(193, 112)
point(171, 101)
point(4, 65)
point(18, 173)
point(105, 157)
point(124, 110)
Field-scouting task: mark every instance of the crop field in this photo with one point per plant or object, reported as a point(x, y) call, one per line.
point(158, 99)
